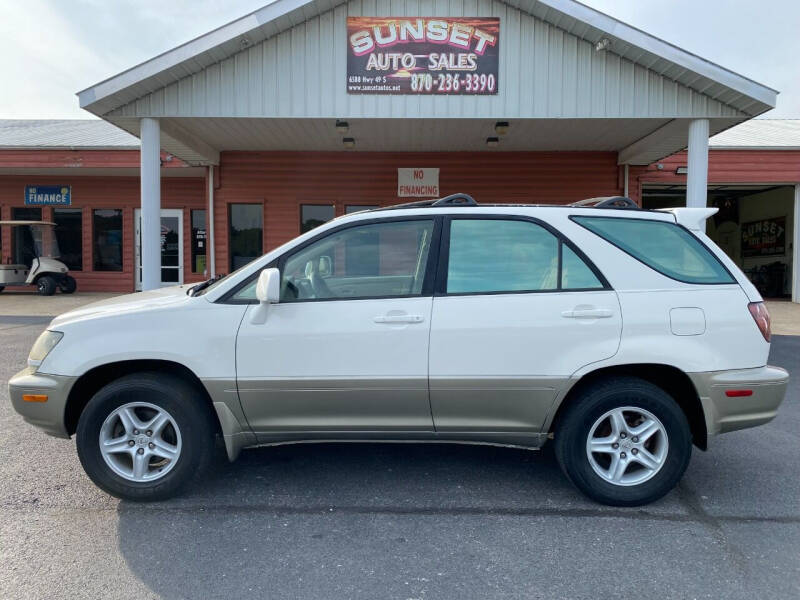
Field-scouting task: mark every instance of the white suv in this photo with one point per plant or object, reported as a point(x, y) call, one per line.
point(624, 335)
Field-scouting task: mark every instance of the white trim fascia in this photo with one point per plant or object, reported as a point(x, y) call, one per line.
point(649, 43)
point(593, 18)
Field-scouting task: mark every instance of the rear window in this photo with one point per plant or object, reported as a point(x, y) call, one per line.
point(663, 246)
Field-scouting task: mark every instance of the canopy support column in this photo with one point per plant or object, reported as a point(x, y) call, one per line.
point(150, 134)
point(697, 178)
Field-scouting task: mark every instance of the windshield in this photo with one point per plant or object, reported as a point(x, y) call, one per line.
point(45, 243)
point(222, 278)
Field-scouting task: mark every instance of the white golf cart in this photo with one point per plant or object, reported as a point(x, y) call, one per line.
point(38, 239)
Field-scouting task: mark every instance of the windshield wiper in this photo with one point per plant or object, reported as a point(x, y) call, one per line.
point(192, 291)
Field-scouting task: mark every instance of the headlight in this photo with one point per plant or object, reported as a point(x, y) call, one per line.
point(46, 342)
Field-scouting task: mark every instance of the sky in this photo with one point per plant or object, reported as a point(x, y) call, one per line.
point(54, 48)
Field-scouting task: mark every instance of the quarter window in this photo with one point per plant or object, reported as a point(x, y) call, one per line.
point(665, 247)
point(498, 255)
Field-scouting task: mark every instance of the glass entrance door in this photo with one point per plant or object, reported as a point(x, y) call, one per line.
point(171, 247)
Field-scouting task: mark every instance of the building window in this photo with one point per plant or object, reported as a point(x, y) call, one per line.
point(107, 239)
point(354, 208)
point(246, 233)
point(21, 239)
point(314, 215)
point(69, 233)
point(199, 241)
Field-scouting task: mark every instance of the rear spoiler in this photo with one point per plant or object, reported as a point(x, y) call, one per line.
point(691, 218)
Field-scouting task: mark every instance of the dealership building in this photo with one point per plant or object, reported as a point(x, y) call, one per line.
point(210, 154)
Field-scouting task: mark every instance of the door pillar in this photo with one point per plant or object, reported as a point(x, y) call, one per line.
point(697, 165)
point(150, 173)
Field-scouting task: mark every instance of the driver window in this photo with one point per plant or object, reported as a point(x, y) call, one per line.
point(367, 261)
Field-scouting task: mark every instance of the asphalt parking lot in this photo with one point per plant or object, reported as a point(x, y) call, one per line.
point(399, 521)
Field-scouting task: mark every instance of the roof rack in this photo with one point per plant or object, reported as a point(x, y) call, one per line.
point(607, 202)
point(456, 200)
point(451, 200)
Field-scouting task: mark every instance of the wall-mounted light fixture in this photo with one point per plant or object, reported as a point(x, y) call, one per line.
point(501, 127)
point(245, 42)
point(492, 142)
point(660, 166)
point(681, 171)
point(603, 44)
point(342, 126)
point(349, 143)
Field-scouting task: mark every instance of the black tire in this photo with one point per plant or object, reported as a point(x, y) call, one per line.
point(68, 285)
point(2, 287)
point(182, 401)
point(596, 400)
point(46, 285)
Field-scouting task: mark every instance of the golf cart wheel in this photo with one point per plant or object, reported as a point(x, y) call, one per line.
point(68, 285)
point(2, 287)
point(46, 285)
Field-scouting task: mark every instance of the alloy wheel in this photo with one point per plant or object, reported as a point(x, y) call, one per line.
point(140, 442)
point(627, 446)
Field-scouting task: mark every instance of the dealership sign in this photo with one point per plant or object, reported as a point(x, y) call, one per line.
point(417, 183)
point(422, 55)
point(48, 195)
point(764, 238)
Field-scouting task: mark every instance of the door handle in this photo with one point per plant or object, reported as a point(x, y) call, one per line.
point(399, 319)
point(587, 313)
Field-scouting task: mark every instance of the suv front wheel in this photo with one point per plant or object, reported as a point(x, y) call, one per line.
point(624, 442)
point(145, 436)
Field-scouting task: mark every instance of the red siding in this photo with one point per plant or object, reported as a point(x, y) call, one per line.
point(724, 166)
point(90, 192)
point(282, 181)
point(31, 159)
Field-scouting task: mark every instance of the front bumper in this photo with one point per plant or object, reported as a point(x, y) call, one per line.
point(724, 413)
point(49, 415)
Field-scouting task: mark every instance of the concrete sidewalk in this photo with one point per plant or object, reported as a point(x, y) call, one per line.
point(785, 315)
point(18, 303)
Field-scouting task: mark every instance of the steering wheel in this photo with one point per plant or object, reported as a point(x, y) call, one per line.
point(318, 284)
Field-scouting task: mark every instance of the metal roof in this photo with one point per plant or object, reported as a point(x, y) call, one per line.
point(628, 42)
point(64, 134)
point(760, 134)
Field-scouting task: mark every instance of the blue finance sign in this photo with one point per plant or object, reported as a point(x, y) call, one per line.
point(48, 195)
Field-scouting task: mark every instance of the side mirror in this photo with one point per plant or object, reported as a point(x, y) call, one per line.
point(268, 288)
point(268, 291)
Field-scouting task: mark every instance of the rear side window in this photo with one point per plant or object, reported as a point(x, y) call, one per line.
point(498, 255)
point(665, 247)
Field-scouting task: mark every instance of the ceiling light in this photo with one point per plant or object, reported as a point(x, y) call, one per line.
point(501, 127)
point(342, 126)
point(603, 44)
point(492, 142)
point(681, 171)
point(349, 142)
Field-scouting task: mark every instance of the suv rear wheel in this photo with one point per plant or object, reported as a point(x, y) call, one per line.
point(624, 442)
point(145, 436)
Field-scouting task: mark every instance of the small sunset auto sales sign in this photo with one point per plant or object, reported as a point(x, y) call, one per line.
point(422, 55)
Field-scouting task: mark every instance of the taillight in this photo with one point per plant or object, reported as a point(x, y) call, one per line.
point(761, 317)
